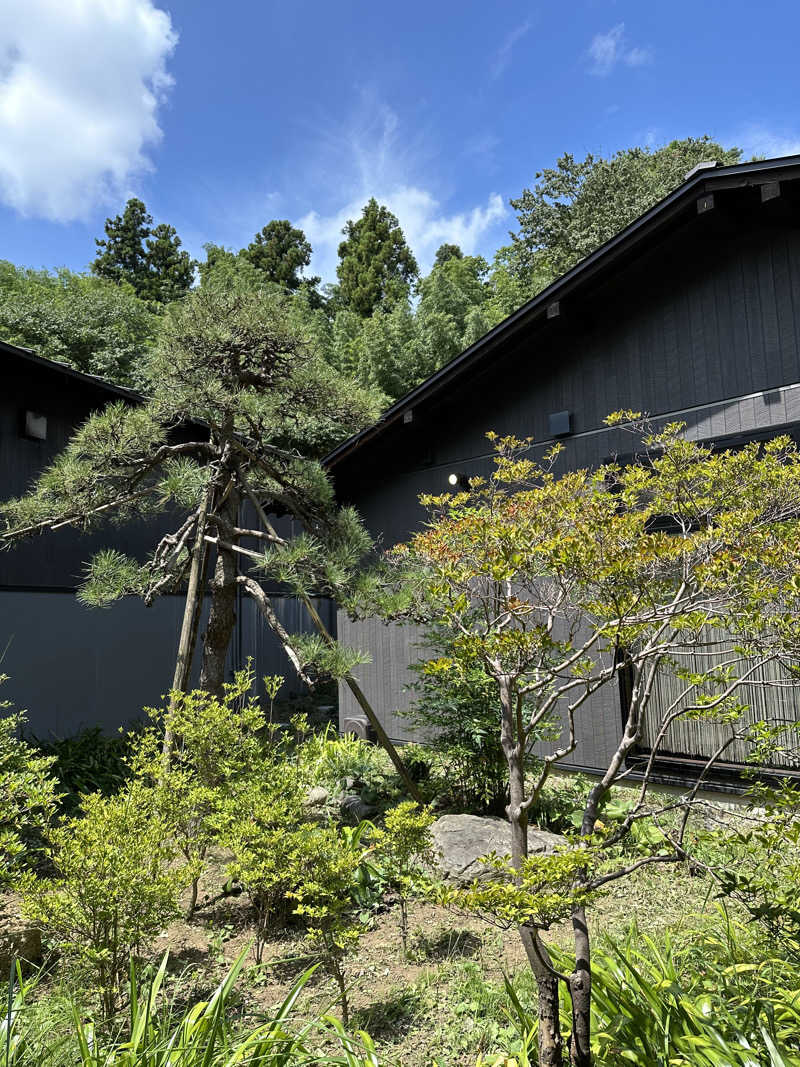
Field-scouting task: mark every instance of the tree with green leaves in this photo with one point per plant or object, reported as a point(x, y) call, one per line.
point(94, 325)
point(579, 204)
point(279, 251)
point(239, 414)
point(147, 258)
point(680, 574)
point(375, 264)
point(446, 252)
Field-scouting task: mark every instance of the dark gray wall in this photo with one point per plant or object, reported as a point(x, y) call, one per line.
point(702, 324)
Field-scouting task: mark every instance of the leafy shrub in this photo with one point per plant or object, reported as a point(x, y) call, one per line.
point(330, 760)
point(114, 888)
point(261, 821)
point(87, 762)
point(404, 844)
point(27, 797)
point(458, 716)
point(326, 901)
point(218, 741)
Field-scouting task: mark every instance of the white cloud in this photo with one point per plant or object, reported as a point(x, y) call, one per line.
point(502, 57)
point(609, 49)
point(81, 82)
point(385, 164)
point(757, 140)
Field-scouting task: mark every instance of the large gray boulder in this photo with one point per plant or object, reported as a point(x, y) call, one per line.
point(461, 840)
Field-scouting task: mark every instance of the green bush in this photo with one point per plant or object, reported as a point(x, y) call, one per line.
point(403, 845)
point(115, 886)
point(87, 762)
point(329, 760)
point(218, 741)
point(28, 797)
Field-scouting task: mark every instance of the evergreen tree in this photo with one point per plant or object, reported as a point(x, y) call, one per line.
point(170, 271)
point(280, 252)
point(145, 257)
point(375, 263)
point(446, 252)
point(122, 256)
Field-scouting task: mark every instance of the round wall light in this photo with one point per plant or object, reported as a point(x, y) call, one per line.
point(457, 479)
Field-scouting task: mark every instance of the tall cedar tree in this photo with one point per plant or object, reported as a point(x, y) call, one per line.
point(375, 263)
point(147, 258)
point(576, 206)
point(280, 252)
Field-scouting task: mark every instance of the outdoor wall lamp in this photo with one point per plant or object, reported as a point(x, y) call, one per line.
point(457, 479)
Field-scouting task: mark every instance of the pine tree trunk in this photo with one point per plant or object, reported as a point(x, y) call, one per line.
point(550, 1040)
point(222, 617)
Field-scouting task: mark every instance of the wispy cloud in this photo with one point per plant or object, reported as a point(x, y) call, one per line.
point(757, 139)
point(608, 50)
point(501, 59)
point(387, 163)
point(80, 89)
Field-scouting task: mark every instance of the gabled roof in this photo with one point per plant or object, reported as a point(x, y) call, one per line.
point(27, 355)
point(699, 181)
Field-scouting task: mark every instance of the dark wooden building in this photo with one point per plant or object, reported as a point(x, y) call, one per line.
point(71, 666)
point(691, 313)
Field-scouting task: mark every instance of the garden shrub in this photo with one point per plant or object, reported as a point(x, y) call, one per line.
point(333, 761)
point(88, 761)
point(115, 886)
point(262, 821)
point(403, 845)
point(458, 718)
point(28, 797)
point(326, 901)
point(218, 741)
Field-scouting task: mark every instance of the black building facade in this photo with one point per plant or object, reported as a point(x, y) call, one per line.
point(691, 313)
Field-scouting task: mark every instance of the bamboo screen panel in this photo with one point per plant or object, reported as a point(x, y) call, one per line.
point(776, 702)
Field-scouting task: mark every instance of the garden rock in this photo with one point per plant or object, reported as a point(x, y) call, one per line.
point(354, 809)
point(460, 841)
point(316, 797)
point(18, 939)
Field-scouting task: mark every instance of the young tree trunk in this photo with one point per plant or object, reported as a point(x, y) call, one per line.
point(222, 617)
point(551, 1043)
point(580, 991)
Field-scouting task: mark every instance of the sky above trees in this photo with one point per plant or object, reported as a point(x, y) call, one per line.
point(223, 118)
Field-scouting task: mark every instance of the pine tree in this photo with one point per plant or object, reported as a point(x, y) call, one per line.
point(170, 270)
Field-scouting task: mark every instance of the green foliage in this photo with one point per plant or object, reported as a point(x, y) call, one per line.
point(159, 1034)
point(261, 820)
point(404, 844)
point(375, 263)
point(713, 998)
point(327, 901)
point(577, 206)
point(90, 323)
point(329, 760)
point(28, 796)
point(147, 258)
point(114, 887)
point(218, 748)
point(87, 762)
point(279, 252)
point(542, 891)
point(458, 715)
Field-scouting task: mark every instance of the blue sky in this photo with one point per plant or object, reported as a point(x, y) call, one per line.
point(221, 116)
